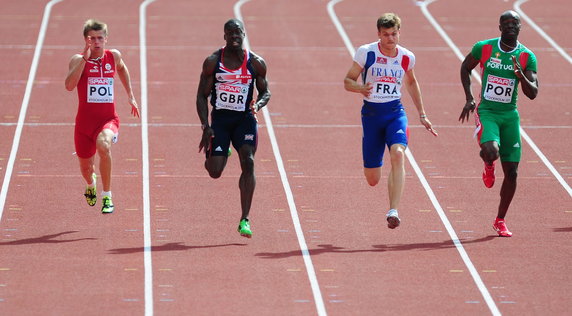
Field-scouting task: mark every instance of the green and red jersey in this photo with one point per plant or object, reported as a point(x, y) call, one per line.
point(499, 91)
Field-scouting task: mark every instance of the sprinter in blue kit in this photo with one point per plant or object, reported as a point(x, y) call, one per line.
point(384, 67)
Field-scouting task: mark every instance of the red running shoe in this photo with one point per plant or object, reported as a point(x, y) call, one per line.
point(500, 227)
point(489, 175)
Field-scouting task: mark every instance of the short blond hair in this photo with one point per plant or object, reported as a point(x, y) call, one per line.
point(388, 20)
point(94, 25)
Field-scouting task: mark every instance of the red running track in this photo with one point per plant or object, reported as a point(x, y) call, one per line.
point(61, 257)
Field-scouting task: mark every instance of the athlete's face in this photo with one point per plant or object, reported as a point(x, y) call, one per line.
point(510, 26)
point(234, 35)
point(389, 37)
point(98, 40)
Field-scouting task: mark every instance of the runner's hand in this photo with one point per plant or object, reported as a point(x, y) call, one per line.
point(517, 68)
point(425, 121)
point(467, 109)
point(254, 108)
point(87, 48)
point(134, 107)
point(206, 139)
point(366, 89)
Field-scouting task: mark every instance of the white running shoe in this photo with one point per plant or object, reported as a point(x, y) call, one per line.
point(393, 219)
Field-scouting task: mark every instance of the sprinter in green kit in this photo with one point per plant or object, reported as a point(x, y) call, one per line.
point(504, 63)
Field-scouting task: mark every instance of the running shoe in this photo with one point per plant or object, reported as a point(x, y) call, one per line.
point(229, 152)
point(91, 193)
point(489, 175)
point(393, 219)
point(500, 227)
point(244, 228)
point(107, 206)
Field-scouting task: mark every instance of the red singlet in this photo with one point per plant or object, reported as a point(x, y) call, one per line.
point(96, 109)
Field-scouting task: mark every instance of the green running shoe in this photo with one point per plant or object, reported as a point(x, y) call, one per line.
point(91, 193)
point(107, 207)
point(244, 228)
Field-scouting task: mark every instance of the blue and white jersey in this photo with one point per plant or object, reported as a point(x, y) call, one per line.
point(383, 72)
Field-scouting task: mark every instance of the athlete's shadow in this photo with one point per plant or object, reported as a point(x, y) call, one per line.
point(328, 248)
point(563, 230)
point(173, 246)
point(46, 239)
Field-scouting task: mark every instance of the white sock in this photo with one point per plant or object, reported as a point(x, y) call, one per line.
point(106, 193)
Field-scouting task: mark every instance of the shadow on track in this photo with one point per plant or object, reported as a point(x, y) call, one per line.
point(328, 248)
point(46, 239)
point(173, 246)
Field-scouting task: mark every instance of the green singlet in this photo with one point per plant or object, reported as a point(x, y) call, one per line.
point(500, 84)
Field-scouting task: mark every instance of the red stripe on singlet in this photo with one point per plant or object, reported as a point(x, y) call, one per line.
point(486, 52)
point(523, 59)
point(405, 63)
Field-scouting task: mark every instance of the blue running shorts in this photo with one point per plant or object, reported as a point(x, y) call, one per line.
point(384, 124)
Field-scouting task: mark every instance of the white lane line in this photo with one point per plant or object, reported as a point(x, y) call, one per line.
point(423, 5)
point(25, 103)
point(147, 255)
point(320, 307)
point(452, 234)
point(538, 29)
point(562, 52)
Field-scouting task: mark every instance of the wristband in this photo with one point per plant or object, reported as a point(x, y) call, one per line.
point(422, 116)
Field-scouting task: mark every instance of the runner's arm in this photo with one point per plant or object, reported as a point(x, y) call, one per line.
point(125, 78)
point(261, 83)
point(206, 84)
point(528, 79)
point(529, 84)
point(76, 66)
point(466, 67)
point(412, 86)
point(351, 84)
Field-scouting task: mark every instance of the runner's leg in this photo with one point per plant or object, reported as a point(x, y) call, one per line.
point(508, 187)
point(396, 178)
point(372, 175)
point(103, 145)
point(247, 182)
point(87, 168)
point(489, 152)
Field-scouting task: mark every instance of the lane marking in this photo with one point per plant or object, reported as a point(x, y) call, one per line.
point(423, 5)
point(474, 273)
point(25, 103)
point(539, 30)
point(147, 255)
point(320, 306)
point(453, 235)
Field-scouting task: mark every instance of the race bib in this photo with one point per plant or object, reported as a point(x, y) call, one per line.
point(386, 88)
point(499, 89)
point(231, 97)
point(99, 90)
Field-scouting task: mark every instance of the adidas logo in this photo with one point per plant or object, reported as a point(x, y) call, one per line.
point(218, 149)
point(516, 145)
point(400, 131)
